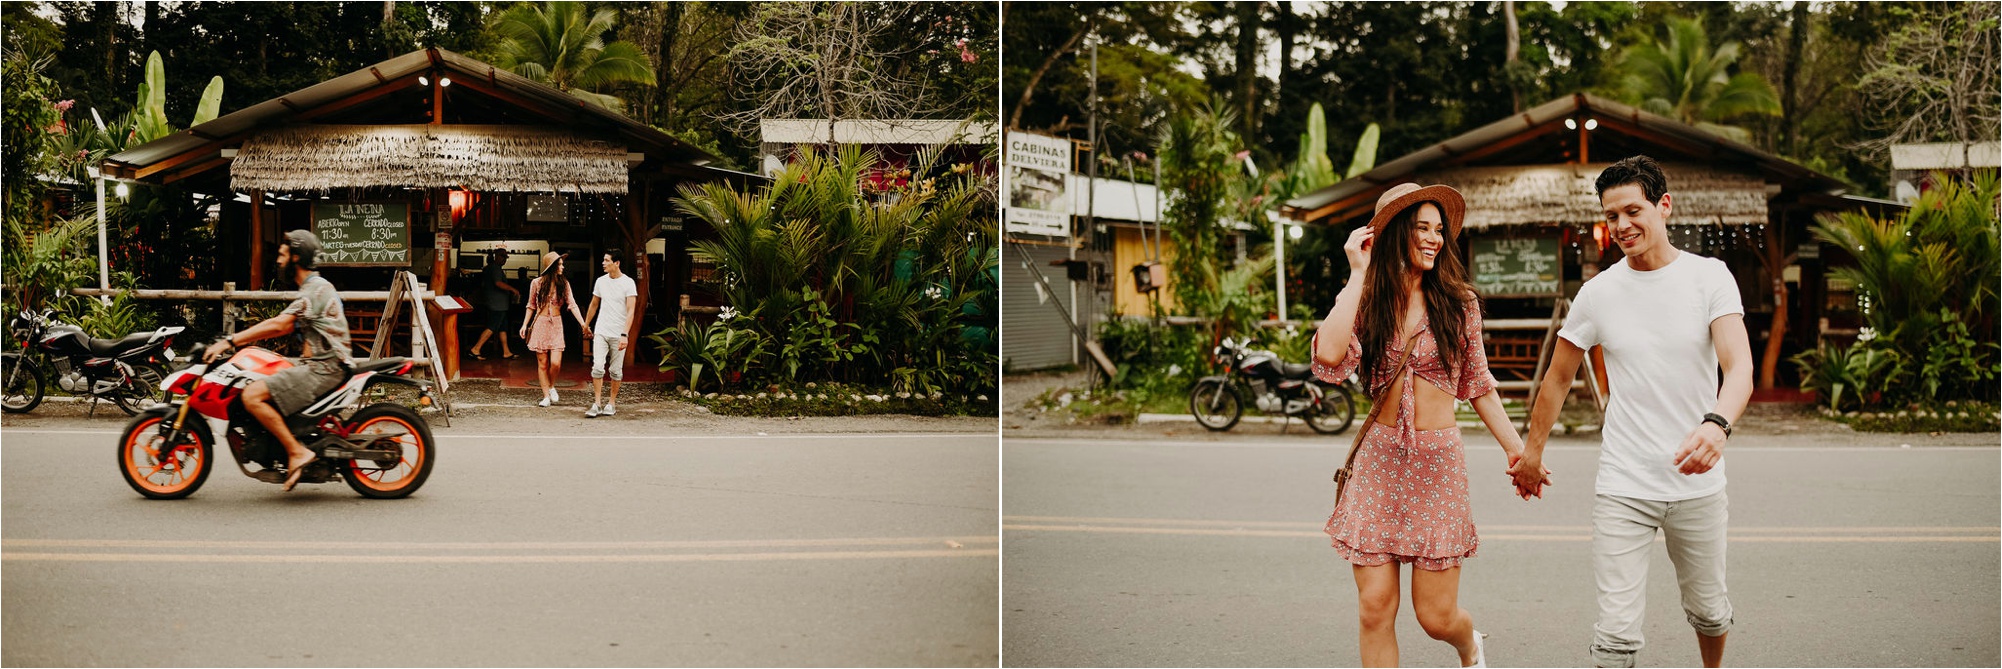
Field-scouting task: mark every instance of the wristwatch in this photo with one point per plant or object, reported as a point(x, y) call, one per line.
point(1719, 420)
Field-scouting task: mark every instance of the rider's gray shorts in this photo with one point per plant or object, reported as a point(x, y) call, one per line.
point(295, 388)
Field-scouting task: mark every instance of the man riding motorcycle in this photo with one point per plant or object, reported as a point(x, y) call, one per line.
point(327, 358)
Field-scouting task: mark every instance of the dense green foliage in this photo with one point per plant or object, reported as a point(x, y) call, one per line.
point(1932, 330)
point(840, 277)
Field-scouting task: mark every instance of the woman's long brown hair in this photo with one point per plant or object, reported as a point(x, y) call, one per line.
point(1445, 289)
point(550, 287)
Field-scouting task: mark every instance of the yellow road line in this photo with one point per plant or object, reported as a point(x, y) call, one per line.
point(1493, 536)
point(1200, 523)
point(496, 559)
point(493, 546)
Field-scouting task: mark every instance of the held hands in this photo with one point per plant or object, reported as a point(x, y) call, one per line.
point(1700, 450)
point(1528, 474)
point(1357, 248)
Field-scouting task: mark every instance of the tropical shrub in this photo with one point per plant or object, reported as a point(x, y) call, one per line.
point(1835, 372)
point(854, 270)
point(1912, 274)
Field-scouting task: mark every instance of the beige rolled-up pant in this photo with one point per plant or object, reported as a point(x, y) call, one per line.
point(1623, 532)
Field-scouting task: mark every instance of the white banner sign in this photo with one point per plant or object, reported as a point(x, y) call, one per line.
point(1037, 168)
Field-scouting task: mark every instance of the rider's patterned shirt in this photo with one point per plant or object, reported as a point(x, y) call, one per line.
point(320, 320)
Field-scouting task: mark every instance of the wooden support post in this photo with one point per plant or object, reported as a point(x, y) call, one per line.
point(1584, 144)
point(441, 223)
point(257, 240)
point(450, 347)
point(228, 309)
point(636, 225)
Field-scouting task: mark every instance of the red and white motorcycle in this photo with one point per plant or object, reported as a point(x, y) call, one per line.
point(383, 450)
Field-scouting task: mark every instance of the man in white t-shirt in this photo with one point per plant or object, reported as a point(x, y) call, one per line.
point(1667, 320)
point(618, 294)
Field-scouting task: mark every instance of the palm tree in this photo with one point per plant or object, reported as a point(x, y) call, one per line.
point(556, 44)
point(1682, 78)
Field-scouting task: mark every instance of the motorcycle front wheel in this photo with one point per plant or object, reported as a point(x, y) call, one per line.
point(21, 384)
point(410, 438)
point(1337, 410)
point(1215, 404)
point(157, 470)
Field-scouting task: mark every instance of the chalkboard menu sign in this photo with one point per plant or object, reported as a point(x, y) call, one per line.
point(1517, 267)
point(363, 233)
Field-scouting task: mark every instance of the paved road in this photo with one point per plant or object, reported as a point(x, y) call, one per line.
point(1850, 552)
point(585, 546)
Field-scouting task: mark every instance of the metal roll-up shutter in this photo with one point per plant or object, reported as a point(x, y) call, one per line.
point(1033, 334)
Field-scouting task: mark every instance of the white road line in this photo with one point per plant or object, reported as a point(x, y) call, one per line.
point(11, 544)
point(1336, 446)
point(1281, 524)
point(497, 559)
point(6, 432)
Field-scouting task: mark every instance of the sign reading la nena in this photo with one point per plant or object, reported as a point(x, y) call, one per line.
point(1037, 169)
point(1517, 267)
point(363, 234)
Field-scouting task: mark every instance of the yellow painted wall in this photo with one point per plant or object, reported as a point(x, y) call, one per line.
point(1127, 251)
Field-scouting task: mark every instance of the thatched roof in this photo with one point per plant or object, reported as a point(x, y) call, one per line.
point(1564, 194)
point(1552, 134)
point(489, 158)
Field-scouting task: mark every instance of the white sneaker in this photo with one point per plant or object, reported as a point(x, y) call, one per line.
point(591, 412)
point(544, 402)
point(552, 395)
point(609, 410)
point(1480, 650)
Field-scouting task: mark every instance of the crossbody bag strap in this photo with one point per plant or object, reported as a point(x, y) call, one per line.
point(1376, 408)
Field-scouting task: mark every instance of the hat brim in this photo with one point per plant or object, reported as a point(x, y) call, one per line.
point(1451, 204)
point(551, 266)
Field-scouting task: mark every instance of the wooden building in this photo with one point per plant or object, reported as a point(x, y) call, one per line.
point(422, 161)
point(1534, 232)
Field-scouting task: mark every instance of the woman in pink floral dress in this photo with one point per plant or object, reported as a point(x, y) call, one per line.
point(548, 296)
point(1406, 501)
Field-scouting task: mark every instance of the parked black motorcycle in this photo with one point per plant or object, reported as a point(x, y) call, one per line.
point(1274, 386)
point(128, 371)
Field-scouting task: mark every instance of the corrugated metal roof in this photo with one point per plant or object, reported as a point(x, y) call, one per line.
point(393, 72)
point(1116, 200)
point(1554, 111)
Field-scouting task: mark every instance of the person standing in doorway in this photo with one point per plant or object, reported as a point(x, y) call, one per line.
point(495, 297)
point(617, 293)
point(549, 296)
point(1668, 320)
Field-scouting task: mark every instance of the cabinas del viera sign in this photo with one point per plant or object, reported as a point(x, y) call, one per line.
point(1516, 267)
point(363, 234)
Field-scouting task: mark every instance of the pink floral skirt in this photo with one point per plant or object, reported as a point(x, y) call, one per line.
point(1406, 502)
point(545, 332)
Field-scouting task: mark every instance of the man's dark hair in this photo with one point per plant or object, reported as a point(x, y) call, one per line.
point(305, 248)
point(618, 254)
point(1638, 170)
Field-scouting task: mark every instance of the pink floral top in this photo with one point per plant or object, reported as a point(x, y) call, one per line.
point(1470, 381)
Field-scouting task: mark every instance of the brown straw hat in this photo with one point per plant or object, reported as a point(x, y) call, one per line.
point(1403, 195)
point(549, 262)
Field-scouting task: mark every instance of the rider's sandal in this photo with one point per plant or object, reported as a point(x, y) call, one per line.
point(292, 478)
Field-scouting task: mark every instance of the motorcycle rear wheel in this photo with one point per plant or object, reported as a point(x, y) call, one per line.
point(391, 480)
point(144, 389)
point(21, 384)
point(1215, 405)
point(1336, 413)
point(172, 475)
